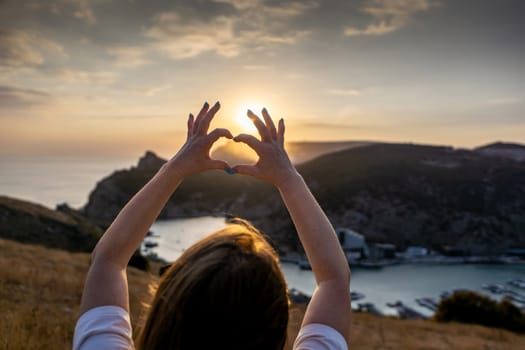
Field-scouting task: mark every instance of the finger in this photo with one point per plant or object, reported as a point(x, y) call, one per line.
point(217, 164)
point(218, 133)
point(280, 131)
point(263, 130)
point(201, 114)
point(247, 170)
point(250, 140)
point(269, 124)
point(191, 121)
point(206, 119)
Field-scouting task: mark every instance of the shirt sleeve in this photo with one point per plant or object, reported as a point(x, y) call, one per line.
point(316, 336)
point(103, 327)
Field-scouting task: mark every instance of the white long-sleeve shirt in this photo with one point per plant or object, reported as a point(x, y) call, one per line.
point(109, 327)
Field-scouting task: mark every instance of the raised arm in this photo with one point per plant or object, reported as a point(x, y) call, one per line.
point(330, 303)
point(106, 282)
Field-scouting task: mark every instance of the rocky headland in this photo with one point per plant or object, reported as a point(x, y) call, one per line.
point(63, 228)
point(432, 196)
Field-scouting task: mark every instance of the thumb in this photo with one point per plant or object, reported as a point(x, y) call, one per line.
point(247, 170)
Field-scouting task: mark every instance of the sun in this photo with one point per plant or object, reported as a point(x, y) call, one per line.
point(243, 122)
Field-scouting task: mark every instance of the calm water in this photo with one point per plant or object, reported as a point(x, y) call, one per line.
point(57, 180)
point(53, 180)
point(398, 282)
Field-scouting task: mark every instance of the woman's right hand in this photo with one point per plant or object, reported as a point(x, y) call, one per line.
point(274, 165)
point(194, 155)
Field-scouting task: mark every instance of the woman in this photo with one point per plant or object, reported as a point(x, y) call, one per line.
point(226, 291)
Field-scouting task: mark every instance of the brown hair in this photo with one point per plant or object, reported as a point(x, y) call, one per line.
point(225, 292)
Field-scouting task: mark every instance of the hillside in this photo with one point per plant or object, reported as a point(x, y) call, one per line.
point(41, 290)
point(437, 197)
point(64, 228)
point(513, 151)
point(424, 195)
point(299, 152)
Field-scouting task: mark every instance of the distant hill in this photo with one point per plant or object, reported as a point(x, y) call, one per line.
point(299, 152)
point(28, 222)
point(64, 228)
point(424, 195)
point(405, 194)
point(506, 150)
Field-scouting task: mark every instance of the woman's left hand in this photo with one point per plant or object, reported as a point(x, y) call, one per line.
point(194, 156)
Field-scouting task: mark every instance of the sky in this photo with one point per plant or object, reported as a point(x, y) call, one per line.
point(117, 77)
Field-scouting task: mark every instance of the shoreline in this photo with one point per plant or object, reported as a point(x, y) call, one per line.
point(302, 262)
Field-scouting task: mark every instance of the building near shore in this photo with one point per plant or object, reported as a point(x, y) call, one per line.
point(519, 252)
point(382, 251)
point(353, 244)
point(416, 252)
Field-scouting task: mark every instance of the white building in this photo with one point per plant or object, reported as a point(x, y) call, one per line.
point(414, 252)
point(353, 243)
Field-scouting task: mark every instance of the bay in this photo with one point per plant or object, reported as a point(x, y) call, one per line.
point(404, 282)
point(53, 180)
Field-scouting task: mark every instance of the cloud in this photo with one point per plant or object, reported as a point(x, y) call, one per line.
point(80, 9)
point(251, 25)
point(26, 49)
point(92, 77)
point(506, 100)
point(344, 92)
point(15, 97)
point(389, 15)
point(152, 91)
point(255, 67)
point(328, 126)
point(183, 38)
point(129, 57)
point(241, 4)
point(373, 29)
point(290, 9)
point(275, 8)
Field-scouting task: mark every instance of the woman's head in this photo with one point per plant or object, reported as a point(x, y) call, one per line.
point(226, 291)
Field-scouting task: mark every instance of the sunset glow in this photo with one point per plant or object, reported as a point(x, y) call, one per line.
point(72, 73)
point(241, 117)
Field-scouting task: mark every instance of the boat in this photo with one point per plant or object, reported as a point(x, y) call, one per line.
point(404, 311)
point(298, 297)
point(374, 264)
point(369, 308)
point(304, 264)
point(448, 294)
point(429, 303)
point(495, 288)
point(506, 292)
point(517, 283)
point(355, 296)
point(150, 244)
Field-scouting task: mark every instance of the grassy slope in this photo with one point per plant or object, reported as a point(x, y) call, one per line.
point(40, 291)
point(29, 222)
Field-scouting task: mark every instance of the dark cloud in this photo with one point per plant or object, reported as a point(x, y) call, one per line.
point(387, 16)
point(244, 26)
point(25, 49)
point(15, 97)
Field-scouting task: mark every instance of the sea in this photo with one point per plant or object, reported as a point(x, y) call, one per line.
point(54, 180)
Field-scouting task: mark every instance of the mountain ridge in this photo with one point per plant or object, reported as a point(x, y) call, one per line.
point(406, 194)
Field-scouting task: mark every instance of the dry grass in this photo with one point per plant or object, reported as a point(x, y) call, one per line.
point(40, 293)
point(372, 332)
